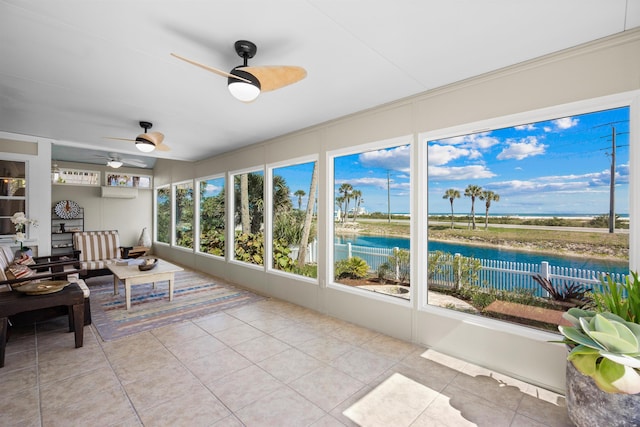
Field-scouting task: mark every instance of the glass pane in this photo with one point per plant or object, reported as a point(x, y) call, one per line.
point(212, 216)
point(10, 206)
point(372, 222)
point(295, 244)
point(14, 187)
point(529, 216)
point(163, 215)
point(184, 215)
point(11, 169)
point(249, 217)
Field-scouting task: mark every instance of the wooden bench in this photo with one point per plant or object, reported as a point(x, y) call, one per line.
point(14, 302)
point(529, 312)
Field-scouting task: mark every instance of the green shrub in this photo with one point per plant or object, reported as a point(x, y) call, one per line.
point(384, 272)
point(249, 248)
point(352, 268)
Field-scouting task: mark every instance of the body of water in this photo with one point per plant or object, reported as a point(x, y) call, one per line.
point(485, 252)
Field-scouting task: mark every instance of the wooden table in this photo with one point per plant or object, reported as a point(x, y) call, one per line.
point(15, 302)
point(131, 275)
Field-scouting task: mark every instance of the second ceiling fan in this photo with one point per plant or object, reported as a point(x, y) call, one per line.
point(245, 82)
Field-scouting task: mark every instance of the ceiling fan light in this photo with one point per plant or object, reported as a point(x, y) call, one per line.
point(241, 90)
point(114, 164)
point(145, 145)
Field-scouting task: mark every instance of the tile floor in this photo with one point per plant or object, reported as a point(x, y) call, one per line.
point(266, 364)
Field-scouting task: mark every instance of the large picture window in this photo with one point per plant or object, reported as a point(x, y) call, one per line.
point(528, 216)
point(372, 220)
point(184, 215)
point(248, 204)
point(294, 192)
point(212, 216)
point(163, 214)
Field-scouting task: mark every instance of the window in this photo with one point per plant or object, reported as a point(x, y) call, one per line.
point(128, 180)
point(248, 204)
point(372, 220)
point(294, 193)
point(531, 214)
point(184, 215)
point(163, 214)
point(212, 216)
point(13, 183)
point(75, 177)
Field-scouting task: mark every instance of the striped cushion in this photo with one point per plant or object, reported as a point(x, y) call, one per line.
point(97, 245)
point(96, 265)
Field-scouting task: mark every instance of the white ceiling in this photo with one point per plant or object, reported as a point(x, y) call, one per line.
point(76, 71)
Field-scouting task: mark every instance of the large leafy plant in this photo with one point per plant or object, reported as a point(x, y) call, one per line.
point(606, 343)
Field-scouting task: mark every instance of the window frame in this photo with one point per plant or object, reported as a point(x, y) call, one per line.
point(268, 247)
point(174, 191)
point(155, 216)
point(197, 203)
point(627, 99)
point(329, 182)
point(231, 223)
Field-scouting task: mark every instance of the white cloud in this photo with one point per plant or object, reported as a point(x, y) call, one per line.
point(526, 147)
point(460, 173)
point(443, 154)
point(373, 182)
point(529, 126)
point(394, 159)
point(211, 188)
point(565, 122)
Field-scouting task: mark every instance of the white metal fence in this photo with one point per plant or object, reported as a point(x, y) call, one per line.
point(497, 274)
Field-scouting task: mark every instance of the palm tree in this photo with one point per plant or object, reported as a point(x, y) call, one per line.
point(473, 191)
point(244, 203)
point(488, 197)
point(357, 196)
point(451, 194)
point(306, 228)
point(299, 194)
point(346, 190)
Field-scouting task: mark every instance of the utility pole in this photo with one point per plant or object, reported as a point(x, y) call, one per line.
point(612, 184)
point(388, 197)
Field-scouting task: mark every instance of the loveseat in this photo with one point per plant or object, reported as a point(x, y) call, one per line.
point(96, 250)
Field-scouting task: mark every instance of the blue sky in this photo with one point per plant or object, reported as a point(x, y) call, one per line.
point(554, 167)
point(558, 166)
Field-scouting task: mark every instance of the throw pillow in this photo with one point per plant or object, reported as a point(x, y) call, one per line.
point(25, 259)
point(18, 271)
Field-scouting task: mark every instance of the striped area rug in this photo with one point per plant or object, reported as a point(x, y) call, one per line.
point(195, 294)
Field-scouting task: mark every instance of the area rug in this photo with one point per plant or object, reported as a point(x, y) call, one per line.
point(195, 294)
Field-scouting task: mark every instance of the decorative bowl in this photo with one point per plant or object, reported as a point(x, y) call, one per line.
point(148, 264)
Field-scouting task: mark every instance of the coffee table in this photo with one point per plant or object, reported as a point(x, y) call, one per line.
point(131, 275)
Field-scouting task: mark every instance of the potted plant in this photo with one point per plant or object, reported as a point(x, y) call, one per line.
point(603, 368)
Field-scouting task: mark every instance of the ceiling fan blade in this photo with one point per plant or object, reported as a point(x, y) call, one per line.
point(134, 162)
point(162, 147)
point(119, 139)
point(276, 76)
point(208, 68)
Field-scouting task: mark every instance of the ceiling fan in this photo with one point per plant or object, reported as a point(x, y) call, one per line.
point(147, 142)
point(115, 161)
point(244, 82)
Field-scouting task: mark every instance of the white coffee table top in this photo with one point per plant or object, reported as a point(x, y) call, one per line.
point(126, 271)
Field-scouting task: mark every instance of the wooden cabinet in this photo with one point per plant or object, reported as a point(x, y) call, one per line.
point(62, 230)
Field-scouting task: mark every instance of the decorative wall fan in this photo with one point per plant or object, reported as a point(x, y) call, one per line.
point(147, 142)
point(245, 83)
point(115, 161)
